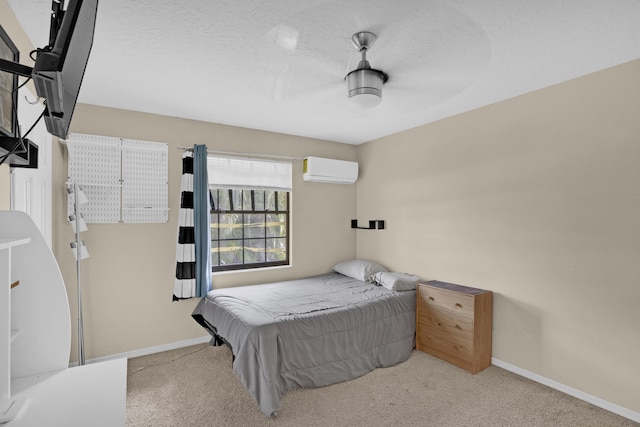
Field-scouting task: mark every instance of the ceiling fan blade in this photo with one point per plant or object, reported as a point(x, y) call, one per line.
point(317, 92)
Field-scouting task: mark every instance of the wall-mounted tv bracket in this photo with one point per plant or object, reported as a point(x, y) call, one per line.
point(56, 21)
point(373, 224)
point(12, 145)
point(15, 68)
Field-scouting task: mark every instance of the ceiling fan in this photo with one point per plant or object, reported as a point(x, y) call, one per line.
point(364, 84)
point(443, 58)
point(358, 87)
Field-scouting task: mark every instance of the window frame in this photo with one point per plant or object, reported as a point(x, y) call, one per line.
point(215, 243)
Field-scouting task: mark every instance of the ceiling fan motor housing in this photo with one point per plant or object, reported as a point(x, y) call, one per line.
point(364, 84)
point(365, 80)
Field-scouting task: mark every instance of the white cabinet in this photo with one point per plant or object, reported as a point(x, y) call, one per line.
point(35, 342)
point(8, 406)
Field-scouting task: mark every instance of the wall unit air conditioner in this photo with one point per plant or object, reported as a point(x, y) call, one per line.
point(318, 169)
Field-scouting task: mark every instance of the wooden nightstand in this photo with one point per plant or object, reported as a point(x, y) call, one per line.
point(454, 322)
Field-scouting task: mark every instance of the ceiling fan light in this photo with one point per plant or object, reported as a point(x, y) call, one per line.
point(365, 100)
point(364, 87)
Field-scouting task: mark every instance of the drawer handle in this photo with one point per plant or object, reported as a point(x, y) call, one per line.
point(458, 305)
point(431, 299)
point(458, 327)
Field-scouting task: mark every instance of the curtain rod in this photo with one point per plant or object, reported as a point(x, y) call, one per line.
point(269, 156)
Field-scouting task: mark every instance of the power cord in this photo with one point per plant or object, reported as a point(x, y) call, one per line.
point(167, 362)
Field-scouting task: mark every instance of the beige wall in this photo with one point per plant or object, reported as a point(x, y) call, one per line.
point(535, 198)
point(128, 279)
point(16, 33)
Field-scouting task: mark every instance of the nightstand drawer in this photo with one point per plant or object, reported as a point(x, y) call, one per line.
point(434, 341)
point(446, 323)
point(445, 299)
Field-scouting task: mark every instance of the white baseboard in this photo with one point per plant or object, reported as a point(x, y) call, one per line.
point(149, 350)
point(601, 403)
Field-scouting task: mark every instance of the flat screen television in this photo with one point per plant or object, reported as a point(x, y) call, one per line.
point(59, 68)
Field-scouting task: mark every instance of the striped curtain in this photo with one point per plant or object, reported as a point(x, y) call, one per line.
point(193, 248)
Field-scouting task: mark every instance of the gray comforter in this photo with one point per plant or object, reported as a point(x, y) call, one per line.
point(310, 332)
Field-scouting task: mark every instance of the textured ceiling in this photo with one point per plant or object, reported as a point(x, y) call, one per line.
point(279, 65)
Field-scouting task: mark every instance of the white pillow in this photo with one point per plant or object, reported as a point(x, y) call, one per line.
point(395, 281)
point(359, 269)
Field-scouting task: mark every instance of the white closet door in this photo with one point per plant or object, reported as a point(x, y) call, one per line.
point(31, 188)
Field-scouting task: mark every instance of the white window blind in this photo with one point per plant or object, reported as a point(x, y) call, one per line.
point(248, 173)
point(124, 180)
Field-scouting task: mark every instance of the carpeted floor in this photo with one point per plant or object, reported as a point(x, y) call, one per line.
point(195, 386)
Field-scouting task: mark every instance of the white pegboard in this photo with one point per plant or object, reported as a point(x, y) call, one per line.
point(94, 164)
point(124, 180)
point(144, 181)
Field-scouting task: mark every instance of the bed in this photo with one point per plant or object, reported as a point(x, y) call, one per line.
point(309, 332)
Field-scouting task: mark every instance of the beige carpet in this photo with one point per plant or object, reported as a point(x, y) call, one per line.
point(195, 386)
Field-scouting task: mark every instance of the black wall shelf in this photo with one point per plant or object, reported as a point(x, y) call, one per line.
point(373, 224)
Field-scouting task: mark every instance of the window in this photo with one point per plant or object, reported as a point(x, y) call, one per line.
point(250, 207)
point(249, 228)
